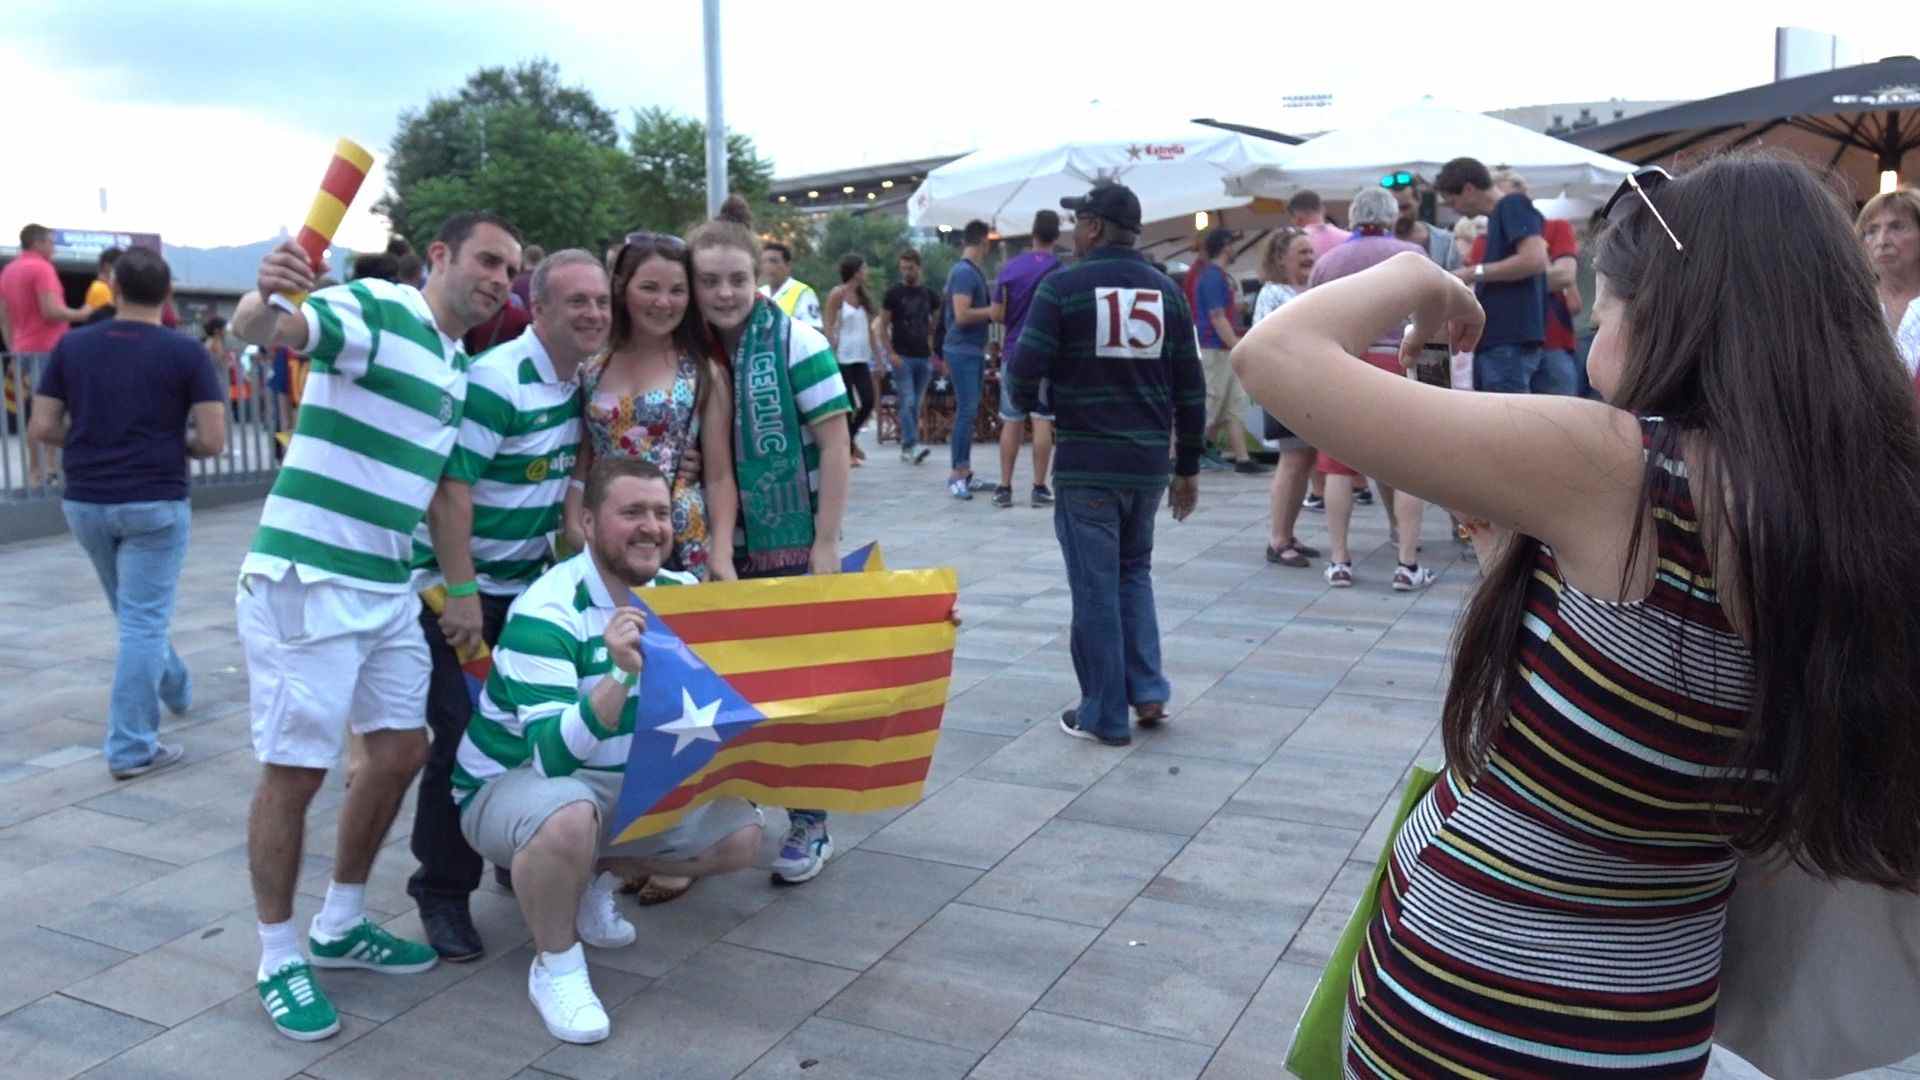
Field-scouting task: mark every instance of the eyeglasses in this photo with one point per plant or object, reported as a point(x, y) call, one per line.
point(1396, 180)
point(1640, 183)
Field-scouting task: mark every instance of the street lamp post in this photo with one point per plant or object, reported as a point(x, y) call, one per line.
point(716, 124)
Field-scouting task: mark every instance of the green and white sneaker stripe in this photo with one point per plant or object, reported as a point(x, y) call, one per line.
point(296, 1005)
point(371, 947)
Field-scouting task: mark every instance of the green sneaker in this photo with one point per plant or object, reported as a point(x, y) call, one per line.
point(296, 1005)
point(373, 948)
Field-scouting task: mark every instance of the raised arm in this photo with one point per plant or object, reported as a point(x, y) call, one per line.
point(285, 269)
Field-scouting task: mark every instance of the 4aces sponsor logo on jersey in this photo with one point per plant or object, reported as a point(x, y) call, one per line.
point(1129, 323)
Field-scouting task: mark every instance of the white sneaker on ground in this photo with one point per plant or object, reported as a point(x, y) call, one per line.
point(565, 999)
point(1411, 579)
point(599, 921)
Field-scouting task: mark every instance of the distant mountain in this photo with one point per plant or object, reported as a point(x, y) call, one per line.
point(226, 269)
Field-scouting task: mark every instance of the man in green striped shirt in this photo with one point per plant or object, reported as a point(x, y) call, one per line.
point(326, 609)
point(491, 522)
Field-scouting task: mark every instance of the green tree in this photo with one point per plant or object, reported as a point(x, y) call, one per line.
point(498, 112)
point(666, 179)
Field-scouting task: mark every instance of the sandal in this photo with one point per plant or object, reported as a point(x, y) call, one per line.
point(650, 894)
point(1294, 554)
point(1150, 714)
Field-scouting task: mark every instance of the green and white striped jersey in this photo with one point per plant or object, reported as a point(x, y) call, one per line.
point(519, 439)
point(378, 419)
point(818, 392)
point(550, 657)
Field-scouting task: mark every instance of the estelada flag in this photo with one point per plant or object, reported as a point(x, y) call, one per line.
point(817, 692)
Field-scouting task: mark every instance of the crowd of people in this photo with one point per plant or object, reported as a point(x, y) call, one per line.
point(1666, 662)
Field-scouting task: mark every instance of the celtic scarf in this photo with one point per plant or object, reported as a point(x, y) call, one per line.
point(776, 505)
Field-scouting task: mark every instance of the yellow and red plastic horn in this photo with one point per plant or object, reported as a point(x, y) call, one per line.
point(345, 173)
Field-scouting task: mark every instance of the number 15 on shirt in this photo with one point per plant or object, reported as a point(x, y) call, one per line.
point(1131, 323)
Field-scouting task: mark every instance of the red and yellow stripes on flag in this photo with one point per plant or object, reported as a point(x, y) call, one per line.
point(345, 173)
point(851, 672)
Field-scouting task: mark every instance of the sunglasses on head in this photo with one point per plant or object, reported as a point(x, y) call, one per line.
point(666, 242)
point(1396, 180)
point(1640, 183)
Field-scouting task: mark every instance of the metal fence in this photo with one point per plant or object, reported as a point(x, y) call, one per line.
point(30, 496)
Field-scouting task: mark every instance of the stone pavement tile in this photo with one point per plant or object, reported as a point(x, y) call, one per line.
point(670, 933)
point(1044, 1046)
point(188, 837)
point(1318, 935)
point(233, 1040)
point(1318, 787)
point(1257, 1048)
point(1386, 728)
point(1005, 645)
point(1387, 676)
point(51, 890)
point(1076, 871)
point(1342, 642)
point(712, 1017)
point(1009, 704)
point(482, 1026)
point(165, 907)
point(1207, 652)
point(1257, 866)
point(968, 674)
point(64, 755)
point(1171, 969)
point(830, 1050)
point(1252, 686)
point(1160, 792)
point(31, 796)
point(224, 781)
point(973, 822)
point(51, 836)
point(38, 962)
point(861, 906)
point(1242, 732)
point(58, 1037)
point(1046, 757)
point(957, 752)
point(965, 978)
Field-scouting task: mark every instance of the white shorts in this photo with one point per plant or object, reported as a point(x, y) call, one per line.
point(322, 658)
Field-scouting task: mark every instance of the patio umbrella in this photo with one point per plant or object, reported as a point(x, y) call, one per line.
point(1860, 121)
point(1421, 137)
point(1176, 167)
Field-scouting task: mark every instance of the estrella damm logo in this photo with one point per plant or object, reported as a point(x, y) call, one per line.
point(559, 464)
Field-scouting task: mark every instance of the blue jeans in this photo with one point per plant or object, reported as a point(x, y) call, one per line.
point(1106, 535)
point(967, 368)
point(1523, 369)
point(909, 383)
point(137, 549)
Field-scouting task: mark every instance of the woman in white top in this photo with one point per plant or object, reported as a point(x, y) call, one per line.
point(1284, 266)
point(850, 327)
point(1889, 228)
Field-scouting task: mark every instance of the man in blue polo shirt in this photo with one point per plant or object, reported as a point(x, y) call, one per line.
point(1511, 284)
point(1114, 340)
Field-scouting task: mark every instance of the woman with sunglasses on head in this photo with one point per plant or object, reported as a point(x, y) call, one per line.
point(1687, 645)
point(1889, 228)
point(648, 395)
point(777, 484)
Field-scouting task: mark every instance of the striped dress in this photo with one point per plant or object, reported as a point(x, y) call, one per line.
point(1562, 915)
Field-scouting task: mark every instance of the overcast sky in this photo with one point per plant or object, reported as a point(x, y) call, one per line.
point(211, 121)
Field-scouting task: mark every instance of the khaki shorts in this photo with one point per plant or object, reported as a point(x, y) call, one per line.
point(503, 816)
point(323, 658)
point(1225, 396)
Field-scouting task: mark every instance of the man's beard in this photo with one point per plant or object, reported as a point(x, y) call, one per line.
point(615, 560)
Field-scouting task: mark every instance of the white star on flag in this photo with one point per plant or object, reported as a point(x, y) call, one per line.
point(696, 722)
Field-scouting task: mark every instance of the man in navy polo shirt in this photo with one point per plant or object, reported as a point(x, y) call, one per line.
point(1511, 284)
point(1114, 340)
point(118, 396)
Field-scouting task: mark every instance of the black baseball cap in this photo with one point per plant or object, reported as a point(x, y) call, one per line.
point(1218, 239)
point(1114, 202)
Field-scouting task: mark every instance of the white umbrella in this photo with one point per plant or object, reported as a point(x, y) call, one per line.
point(1420, 138)
point(1176, 167)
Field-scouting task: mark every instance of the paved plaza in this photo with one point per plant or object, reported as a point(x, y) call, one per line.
point(1053, 908)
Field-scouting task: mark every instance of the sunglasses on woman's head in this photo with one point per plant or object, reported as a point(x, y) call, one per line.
point(666, 242)
point(1640, 183)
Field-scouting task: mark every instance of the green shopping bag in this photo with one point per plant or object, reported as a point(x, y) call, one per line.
point(1316, 1051)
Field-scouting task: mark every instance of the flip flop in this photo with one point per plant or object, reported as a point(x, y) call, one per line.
point(650, 894)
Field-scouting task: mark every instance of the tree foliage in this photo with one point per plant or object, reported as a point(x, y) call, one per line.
point(667, 172)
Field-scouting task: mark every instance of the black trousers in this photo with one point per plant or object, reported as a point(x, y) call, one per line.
point(449, 868)
point(859, 380)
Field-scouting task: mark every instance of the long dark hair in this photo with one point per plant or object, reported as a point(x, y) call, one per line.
point(1764, 348)
point(689, 338)
point(850, 264)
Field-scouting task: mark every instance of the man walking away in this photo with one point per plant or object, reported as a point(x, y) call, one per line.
point(1216, 305)
point(967, 310)
point(906, 325)
point(1015, 285)
point(1115, 339)
point(131, 401)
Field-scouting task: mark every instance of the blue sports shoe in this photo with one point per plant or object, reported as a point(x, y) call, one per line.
point(806, 851)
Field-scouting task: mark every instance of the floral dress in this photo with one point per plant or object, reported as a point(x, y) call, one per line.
point(660, 426)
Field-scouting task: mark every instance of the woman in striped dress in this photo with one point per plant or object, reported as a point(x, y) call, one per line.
point(1689, 642)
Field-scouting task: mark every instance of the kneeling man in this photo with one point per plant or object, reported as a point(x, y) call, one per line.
point(539, 770)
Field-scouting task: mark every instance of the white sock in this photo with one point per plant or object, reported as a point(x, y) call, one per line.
point(565, 963)
point(346, 905)
point(279, 946)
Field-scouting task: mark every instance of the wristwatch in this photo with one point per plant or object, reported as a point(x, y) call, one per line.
point(1479, 271)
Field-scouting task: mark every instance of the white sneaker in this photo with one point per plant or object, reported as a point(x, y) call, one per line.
point(566, 1002)
point(1411, 580)
point(599, 921)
